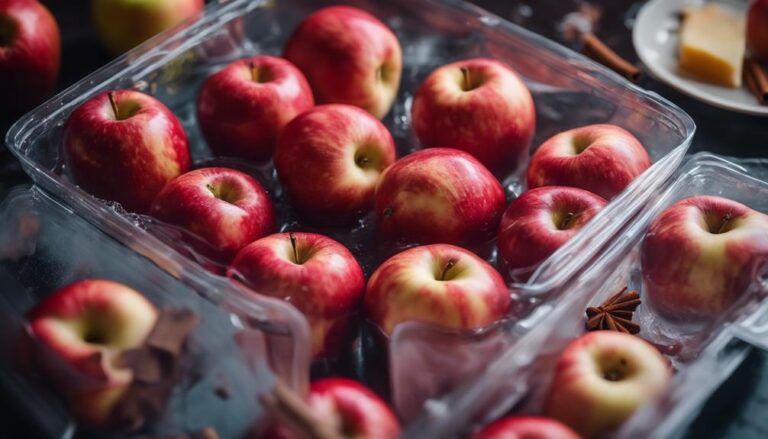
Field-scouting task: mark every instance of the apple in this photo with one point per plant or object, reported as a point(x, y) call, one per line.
point(602, 378)
point(700, 255)
point(316, 274)
point(329, 160)
point(84, 328)
point(124, 146)
point(30, 50)
point(225, 207)
point(242, 108)
point(479, 106)
point(438, 195)
point(123, 24)
point(526, 427)
point(540, 221)
point(757, 29)
point(349, 57)
point(346, 408)
point(602, 159)
point(440, 284)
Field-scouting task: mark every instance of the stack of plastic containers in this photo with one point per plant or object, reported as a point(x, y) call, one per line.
point(445, 371)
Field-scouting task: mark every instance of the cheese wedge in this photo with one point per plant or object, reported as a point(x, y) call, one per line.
point(712, 45)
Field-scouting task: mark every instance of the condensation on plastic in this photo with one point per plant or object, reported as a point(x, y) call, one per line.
point(569, 91)
point(704, 354)
point(44, 246)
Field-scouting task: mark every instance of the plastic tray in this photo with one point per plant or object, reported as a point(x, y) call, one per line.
point(569, 91)
point(43, 246)
point(703, 355)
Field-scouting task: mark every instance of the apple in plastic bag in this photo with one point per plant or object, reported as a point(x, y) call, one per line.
point(438, 195)
point(84, 328)
point(540, 221)
point(603, 159)
point(124, 146)
point(316, 274)
point(480, 106)
point(347, 407)
point(349, 57)
point(242, 108)
point(329, 160)
point(601, 378)
point(225, 207)
point(700, 255)
point(440, 284)
point(525, 427)
point(757, 29)
point(30, 50)
point(123, 24)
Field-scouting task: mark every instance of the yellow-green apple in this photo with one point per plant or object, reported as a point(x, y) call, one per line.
point(438, 195)
point(30, 49)
point(601, 378)
point(757, 29)
point(125, 146)
point(82, 330)
point(346, 407)
point(700, 255)
point(440, 284)
point(242, 108)
point(349, 57)
point(123, 24)
point(316, 274)
point(602, 159)
point(526, 427)
point(479, 106)
point(225, 207)
point(329, 160)
point(540, 221)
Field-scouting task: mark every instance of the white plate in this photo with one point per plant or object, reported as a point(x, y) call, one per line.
point(655, 38)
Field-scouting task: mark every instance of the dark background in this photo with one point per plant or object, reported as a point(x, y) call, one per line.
point(738, 410)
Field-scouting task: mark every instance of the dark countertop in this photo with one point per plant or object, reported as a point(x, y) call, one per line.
point(737, 409)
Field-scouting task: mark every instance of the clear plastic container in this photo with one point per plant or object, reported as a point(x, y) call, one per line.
point(703, 354)
point(233, 355)
point(569, 91)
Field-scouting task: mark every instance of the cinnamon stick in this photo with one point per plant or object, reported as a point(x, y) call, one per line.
point(293, 412)
point(600, 52)
point(756, 79)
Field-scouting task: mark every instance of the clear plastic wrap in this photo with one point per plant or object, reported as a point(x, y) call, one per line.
point(569, 91)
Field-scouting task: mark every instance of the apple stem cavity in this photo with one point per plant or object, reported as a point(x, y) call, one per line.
point(724, 223)
point(112, 102)
point(388, 212)
point(565, 224)
point(450, 264)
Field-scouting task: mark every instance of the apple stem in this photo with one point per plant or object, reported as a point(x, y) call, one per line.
point(112, 102)
point(295, 248)
point(567, 220)
point(254, 71)
point(451, 263)
point(724, 222)
point(362, 160)
point(465, 73)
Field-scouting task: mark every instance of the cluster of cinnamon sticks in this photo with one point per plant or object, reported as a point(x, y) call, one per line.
point(756, 79)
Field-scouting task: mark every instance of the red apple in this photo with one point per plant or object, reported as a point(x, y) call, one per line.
point(123, 24)
point(349, 57)
point(602, 159)
point(30, 48)
point(526, 427)
point(316, 274)
point(125, 146)
point(440, 284)
point(84, 328)
point(700, 255)
point(479, 106)
point(346, 407)
point(225, 207)
point(438, 195)
point(541, 220)
point(602, 378)
point(329, 160)
point(757, 29)
point(242, 108)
